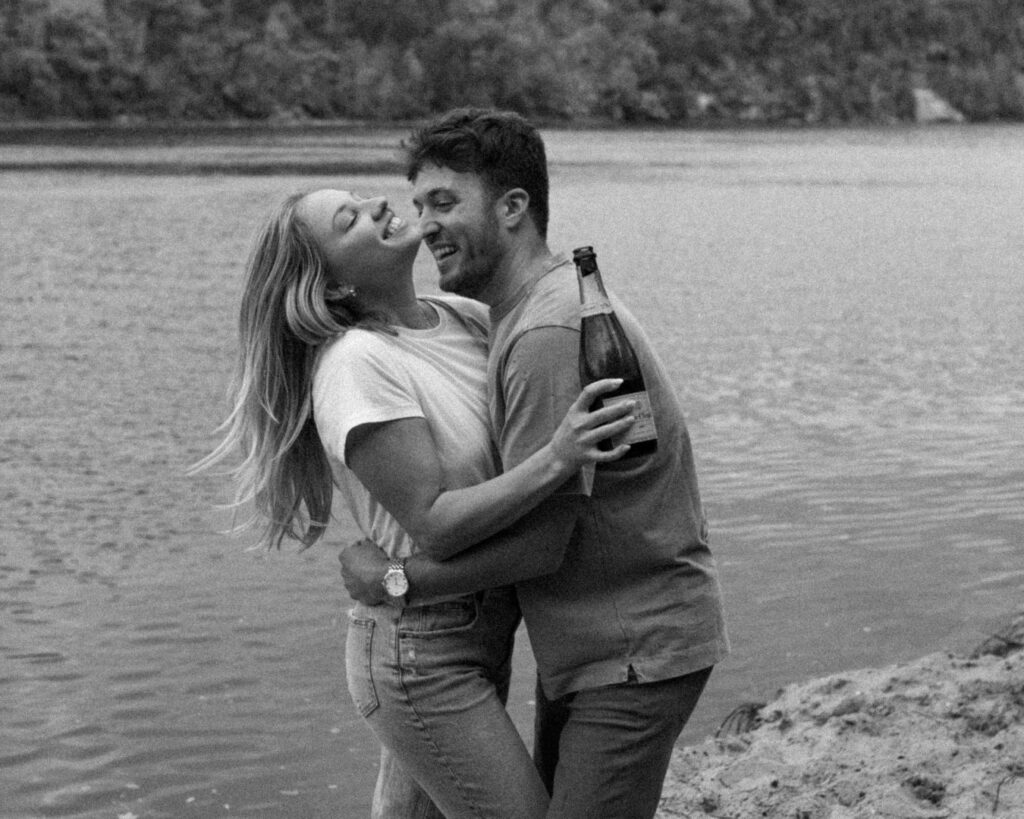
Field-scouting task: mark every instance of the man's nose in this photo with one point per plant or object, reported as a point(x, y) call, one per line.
point(428, 224)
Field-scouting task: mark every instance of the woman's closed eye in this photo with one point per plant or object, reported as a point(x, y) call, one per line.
point(346, 219)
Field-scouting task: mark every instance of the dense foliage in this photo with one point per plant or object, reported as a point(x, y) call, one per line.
point(675, 61)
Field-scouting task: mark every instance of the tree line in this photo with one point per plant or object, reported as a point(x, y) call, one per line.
point(630, 61)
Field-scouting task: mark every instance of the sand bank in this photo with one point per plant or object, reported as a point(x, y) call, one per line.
point(939, 737)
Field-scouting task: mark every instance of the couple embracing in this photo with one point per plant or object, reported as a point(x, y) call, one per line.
point(456, 431)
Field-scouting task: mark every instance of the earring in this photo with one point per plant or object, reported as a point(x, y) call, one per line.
point(344, 292)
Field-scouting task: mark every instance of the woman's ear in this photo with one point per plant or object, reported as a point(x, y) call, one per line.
point(512, 207)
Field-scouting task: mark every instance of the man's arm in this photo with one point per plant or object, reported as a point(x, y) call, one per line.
point(398, 463)
point(532, 547)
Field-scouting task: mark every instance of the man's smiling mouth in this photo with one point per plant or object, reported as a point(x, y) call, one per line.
point(442, 251)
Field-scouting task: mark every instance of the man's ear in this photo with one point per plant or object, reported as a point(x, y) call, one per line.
point(512, 207)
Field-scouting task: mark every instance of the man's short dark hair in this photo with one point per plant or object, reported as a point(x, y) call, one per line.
point(501, 147)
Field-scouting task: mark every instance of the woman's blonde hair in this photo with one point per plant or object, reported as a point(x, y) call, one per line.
point(290, 308)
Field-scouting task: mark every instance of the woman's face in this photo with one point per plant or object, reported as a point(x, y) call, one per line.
point(364, 243)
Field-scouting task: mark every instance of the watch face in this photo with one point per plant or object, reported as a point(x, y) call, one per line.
point(395, 582)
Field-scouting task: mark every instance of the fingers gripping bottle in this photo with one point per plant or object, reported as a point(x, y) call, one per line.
point(605, 352)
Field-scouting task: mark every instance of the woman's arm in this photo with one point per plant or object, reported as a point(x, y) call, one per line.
point(397, 463)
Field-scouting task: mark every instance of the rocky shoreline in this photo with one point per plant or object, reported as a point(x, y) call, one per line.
point(938, 738)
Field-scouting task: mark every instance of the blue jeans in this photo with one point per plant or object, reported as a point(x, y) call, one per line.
point(431, 682)
point(604, 752)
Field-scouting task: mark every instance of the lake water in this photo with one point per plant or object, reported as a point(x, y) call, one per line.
point(843, 314)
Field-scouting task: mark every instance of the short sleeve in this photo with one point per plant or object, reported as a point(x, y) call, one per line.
point(358, 382)
point(539, 382)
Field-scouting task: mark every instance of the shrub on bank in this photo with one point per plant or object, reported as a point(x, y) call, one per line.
point(673, 61)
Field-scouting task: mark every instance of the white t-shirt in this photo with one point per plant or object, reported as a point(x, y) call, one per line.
point(440, 374)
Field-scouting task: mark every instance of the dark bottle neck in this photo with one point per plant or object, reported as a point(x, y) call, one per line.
point(593, 296)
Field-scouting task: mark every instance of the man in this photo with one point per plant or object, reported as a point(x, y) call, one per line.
point(618, 589)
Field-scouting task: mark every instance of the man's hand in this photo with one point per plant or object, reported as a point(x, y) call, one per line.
point(363, 565)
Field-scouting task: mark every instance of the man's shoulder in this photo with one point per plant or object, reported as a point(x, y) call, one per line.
point(553, 301)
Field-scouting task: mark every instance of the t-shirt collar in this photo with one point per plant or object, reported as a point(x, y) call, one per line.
point(504, 307)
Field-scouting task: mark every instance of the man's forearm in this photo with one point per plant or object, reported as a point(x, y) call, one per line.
point(533, 547)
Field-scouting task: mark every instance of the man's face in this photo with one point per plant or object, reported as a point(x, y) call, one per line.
point(459, 223)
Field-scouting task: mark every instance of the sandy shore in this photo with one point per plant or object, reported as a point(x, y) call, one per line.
point(939, 737)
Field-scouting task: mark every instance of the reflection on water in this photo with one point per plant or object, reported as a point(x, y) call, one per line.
point(841, 312)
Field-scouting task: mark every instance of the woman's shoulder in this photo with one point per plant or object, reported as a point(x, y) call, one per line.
point(468, 310)
point(353, 340)
point(353, 348)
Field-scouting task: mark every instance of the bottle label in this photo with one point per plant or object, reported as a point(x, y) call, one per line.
point(595, 308)
point(643, 428)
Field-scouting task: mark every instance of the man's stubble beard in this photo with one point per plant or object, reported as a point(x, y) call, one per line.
point(481, 267)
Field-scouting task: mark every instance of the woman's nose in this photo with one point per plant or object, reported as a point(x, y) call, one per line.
point(376, 206)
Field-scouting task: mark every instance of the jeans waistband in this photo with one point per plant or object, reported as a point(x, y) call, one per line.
point(387, 611)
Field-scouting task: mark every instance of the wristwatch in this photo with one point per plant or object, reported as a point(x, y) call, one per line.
point(396, 584)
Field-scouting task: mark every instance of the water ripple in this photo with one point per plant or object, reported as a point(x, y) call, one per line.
point(847, 350)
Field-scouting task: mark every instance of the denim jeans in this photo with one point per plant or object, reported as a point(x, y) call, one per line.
point(431, 682)
point(604, 752)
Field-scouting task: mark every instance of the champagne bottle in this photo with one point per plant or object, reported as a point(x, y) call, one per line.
point(605, 352)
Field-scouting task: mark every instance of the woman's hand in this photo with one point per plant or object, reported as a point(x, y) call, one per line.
point(575, 442)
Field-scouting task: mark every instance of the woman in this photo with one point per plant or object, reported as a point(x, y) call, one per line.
point(348, 379)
